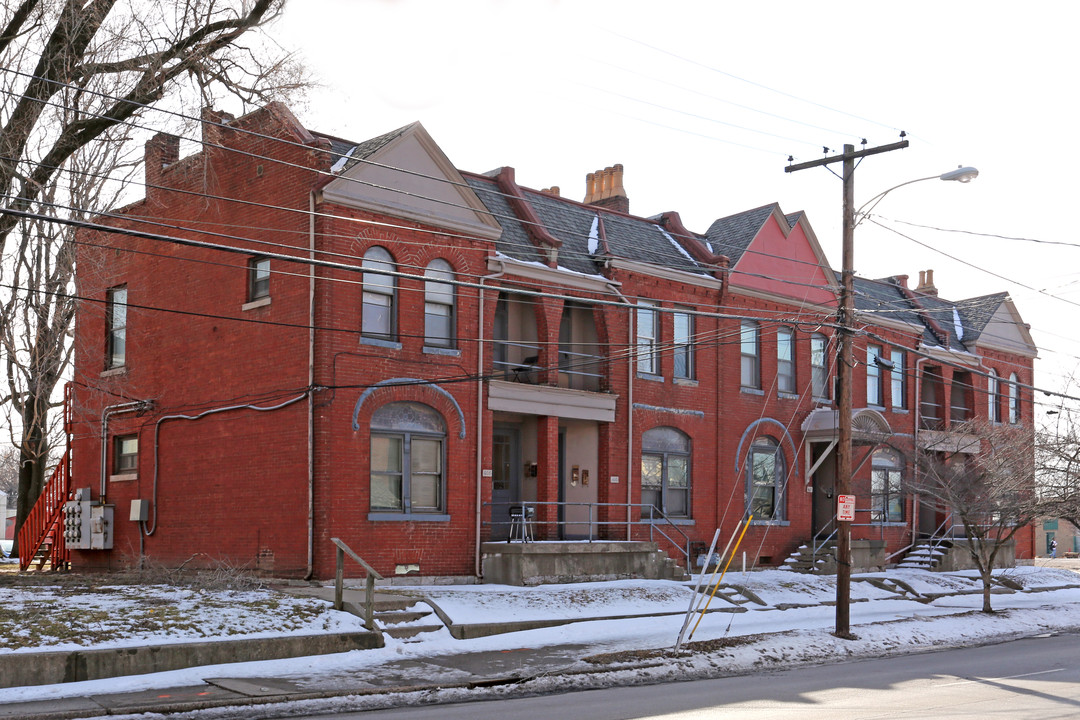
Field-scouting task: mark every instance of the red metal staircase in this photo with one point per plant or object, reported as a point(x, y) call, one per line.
point(41, 538)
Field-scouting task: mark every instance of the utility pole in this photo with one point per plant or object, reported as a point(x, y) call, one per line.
point(844, 366)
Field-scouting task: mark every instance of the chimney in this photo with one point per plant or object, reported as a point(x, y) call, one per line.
point(604, 188)
point(553, 190)
point(926, 283)
point(211, 122)
point(901, 280)
point(160, 152)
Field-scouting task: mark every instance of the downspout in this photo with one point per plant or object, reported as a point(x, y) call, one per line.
point(107, 413)
point(632, 359)
point(311, 393)
point(918, 424)
point(480, 416)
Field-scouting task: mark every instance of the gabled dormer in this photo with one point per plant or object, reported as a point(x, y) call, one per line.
point(405, 174)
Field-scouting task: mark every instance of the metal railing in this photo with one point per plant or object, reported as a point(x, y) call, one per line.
point(44, 524)
point(573, 364)
point(658, 523)
point(369, 586)
point(523, 368)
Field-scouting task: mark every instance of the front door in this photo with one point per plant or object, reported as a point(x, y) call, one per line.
point(824, 514)
point(505, 478)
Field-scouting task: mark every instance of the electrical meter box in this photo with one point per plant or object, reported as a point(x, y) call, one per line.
point(87, 525)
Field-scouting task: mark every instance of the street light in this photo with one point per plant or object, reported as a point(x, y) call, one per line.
point(846, 329)
point(844, 372)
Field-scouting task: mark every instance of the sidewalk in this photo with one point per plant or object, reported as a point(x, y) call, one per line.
point(763, 619)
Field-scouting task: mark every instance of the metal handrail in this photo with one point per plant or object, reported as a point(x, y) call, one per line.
point(816, 547)
point(654, 516)
point(369, 589)
point(44, 520)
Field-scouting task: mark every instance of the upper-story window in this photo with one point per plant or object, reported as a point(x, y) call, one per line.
point(665, 471)
point(1014, 399)
point(898, 379)
point(819, 368)
point(378, 319)
point(750, 352)
point(258, 278)
point(116, 299)
point(785, 360)
point(873, 375)
point(993, 397)
point(682, 340)
point(439, 304)
point(648, 335)
point(961, 398)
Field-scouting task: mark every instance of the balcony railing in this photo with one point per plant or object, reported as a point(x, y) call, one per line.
point(576, 370)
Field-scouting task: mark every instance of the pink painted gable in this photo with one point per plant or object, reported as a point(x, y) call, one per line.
point(784, 264)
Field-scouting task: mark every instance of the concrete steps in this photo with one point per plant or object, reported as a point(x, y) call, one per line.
point(925, 556)
point(405, 618)
point(805, 560)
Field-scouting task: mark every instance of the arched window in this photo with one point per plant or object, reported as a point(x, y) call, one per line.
point(993, 396)
point(439, 305)
point(407, 451)
point(379, 316)
point(886, 488)
point(665, 471)
point(765, 474)
point(1014, 399)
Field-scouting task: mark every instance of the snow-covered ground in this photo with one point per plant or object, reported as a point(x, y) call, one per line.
point(792, 626)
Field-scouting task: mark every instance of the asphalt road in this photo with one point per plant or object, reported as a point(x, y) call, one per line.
point(1019, 680)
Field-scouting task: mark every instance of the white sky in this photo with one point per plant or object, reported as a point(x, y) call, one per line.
point(560, 89)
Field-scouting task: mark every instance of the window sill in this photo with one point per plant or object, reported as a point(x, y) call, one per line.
point(772, 523)
point(673, 521)
point(114, 372)
point(449, 352)
point(900, 411)
point(685, 382)
point(407, 517)
point(650, 377)
point(261, 302)
point(752, 391)
point(124, 477)
point(892, 523)
point(787, 396)
point(389, 344)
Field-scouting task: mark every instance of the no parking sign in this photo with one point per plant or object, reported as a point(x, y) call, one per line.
point(845, 508)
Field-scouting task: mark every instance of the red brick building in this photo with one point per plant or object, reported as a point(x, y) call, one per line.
point(360, 341)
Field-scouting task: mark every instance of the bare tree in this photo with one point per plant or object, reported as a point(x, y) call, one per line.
point(77, 75)
point(1057, 460)
point(9, 472)
point(990, 492)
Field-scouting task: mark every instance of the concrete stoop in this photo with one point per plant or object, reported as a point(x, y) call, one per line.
point(805, 560)
point(405, 618)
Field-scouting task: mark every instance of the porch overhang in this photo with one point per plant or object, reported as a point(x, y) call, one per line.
point(868, 426)
point(549, 400)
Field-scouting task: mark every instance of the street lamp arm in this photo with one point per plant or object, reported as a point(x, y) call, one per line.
point(960, 174)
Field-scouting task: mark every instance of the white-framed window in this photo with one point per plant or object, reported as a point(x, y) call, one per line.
point(898, 379)
point(750, 354)
point(765, 474)
point(993, 397)
point(665, 471)
point(116, 299)
point(886, 488)
point(379, 314)
point(785, 360)
point(258, 278)
point(439, 304)
point(125, 455)
point(648, 335)
point(819, 367)
point(682, 340)
point(873, 375)
point(1014, 399)
point(407, 459)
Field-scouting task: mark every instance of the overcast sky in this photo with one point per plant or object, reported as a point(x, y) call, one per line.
point(703, 102)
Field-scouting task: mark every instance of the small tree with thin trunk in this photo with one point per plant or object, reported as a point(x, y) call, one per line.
point(1057, 463)
point(986, 484)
